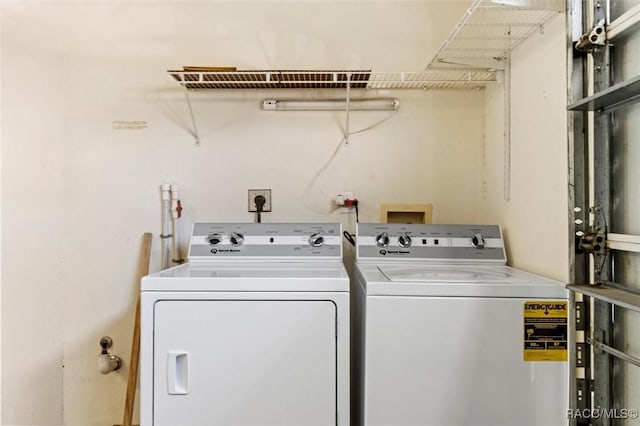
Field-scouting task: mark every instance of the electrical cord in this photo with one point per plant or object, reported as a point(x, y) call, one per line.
point(349, 237)
point(316, 177)
point(355, 204)
point(259, 200)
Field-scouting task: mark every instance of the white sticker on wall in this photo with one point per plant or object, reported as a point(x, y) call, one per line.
point(128, 125)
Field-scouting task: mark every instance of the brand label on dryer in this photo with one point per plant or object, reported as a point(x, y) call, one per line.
point(545, 330)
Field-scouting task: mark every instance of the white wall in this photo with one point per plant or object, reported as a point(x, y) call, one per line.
point(535, 219)
point(1, 115)
point(32, 228)
point(77, 195)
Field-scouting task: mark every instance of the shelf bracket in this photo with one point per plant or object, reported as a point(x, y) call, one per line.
point(348, 110)
point(196, 134)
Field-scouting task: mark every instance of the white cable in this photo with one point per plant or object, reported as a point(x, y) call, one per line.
point(375, 124)
point(318, 174)
point(334, 154)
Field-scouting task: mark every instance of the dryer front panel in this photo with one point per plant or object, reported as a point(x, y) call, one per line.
point(244, 362)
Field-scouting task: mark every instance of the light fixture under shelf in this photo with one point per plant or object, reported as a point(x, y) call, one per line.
point(354, 104)
point(554, 5)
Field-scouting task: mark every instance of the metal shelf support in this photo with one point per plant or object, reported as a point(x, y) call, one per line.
point(196, 134)
point(611, 98)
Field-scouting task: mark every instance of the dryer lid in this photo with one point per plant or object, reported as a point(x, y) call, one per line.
point(250, 276)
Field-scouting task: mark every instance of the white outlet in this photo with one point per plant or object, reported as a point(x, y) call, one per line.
point(253, 193)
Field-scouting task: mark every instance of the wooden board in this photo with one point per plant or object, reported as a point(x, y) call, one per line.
point(143, 269)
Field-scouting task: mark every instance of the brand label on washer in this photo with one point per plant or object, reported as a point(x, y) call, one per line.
point(545, 330)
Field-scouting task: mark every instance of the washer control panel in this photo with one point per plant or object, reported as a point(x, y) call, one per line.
point(423, 242)
point(266, 240)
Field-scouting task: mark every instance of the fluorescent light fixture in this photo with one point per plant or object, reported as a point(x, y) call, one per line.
point(360, 104)
point(554, 5)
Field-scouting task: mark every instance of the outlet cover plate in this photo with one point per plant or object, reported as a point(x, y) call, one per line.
point(253, 193)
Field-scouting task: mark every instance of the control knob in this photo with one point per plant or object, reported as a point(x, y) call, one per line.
point(316, 240)
point(236, 239)
point(404, 240)
point(382, 240)
point(214, 239)
point(477, 241)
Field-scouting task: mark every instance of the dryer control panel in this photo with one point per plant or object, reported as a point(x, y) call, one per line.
point(297, 241)
point(456, 243)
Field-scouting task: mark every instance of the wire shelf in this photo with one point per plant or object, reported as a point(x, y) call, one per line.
point(469, 58)
point(487, 33)
point(271, 79)
point(333, 79)
point(432, 79)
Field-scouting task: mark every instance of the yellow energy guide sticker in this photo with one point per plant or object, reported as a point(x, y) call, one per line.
point(545, 330)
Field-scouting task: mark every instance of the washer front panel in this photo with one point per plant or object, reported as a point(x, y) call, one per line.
point(439, 243)
point(452, 361)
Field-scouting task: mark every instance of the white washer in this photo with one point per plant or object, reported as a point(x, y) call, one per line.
point(253, 330)
point(447, 335)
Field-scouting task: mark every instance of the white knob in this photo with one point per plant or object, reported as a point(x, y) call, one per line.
point(108, 363)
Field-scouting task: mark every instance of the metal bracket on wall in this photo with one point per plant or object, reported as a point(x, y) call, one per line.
point(196, 135)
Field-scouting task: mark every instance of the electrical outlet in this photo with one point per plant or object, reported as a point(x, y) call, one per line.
point(343, 196)
point(253, 193)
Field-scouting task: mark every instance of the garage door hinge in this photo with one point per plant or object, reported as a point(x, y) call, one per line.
point(593, 39)
point(593, 241)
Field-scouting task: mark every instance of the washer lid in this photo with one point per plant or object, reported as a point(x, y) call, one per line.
point(250, 276)
point(455, 281)
point(452, 274)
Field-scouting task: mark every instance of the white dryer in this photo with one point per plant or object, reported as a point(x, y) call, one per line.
point(253, 330)
point(447, 335)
